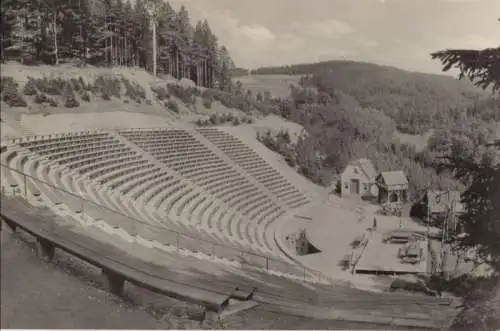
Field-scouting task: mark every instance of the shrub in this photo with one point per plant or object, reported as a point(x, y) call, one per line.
point(172, 105)
point(8, 83)
point(148, 102)
point(110, 86)
point(30, 87)
point(161, 93)
point(41, 98)
point(186, 95)
point(52, 86)
point(85, 96)
point(215, 119)
point(86, 87)
point(71, 102)
point(52, 102)
point(133, 90)
point(207, 103)
point(105, 96)
point(10, 94)
point(236, 121)
point(126, 101)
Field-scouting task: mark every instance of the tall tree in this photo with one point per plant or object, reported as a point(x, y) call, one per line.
point(481, 173)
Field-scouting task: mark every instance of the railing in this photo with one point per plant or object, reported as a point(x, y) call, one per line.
point(88, 212)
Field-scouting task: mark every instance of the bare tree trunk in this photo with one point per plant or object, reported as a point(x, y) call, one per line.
point(176, 62)
point(125, 49)
point(111, 50)
point(154, 47)
point(55, 38)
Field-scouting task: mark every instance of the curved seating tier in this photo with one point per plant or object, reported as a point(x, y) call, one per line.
point(252, 163)
point(202, 203)
point(238, 202)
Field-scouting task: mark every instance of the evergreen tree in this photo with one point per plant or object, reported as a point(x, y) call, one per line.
point(113, 33)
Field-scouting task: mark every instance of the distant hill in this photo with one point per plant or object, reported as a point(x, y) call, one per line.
point(238, 72)
point(415, 101)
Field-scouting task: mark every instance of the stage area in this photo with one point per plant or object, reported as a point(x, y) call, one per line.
point(332, 229)
point(383, 258)
point(335, 227)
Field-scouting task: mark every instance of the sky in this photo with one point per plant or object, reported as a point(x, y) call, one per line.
point(400, 33)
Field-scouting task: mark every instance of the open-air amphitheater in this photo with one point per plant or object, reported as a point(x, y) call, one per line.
point(203, 204)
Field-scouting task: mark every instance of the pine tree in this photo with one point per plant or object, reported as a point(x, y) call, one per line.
point(113, 32)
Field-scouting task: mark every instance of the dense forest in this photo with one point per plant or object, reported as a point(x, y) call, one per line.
point(113, 33)
point(417, 102)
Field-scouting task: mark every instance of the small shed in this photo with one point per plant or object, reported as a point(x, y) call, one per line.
point(392, 187)
point(359, 179)
point(440, 202)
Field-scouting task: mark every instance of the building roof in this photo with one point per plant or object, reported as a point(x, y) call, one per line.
point(440, 201)
point(394, 178)
point(367, 167)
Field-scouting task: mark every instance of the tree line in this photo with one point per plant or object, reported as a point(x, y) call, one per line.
point(114, 33)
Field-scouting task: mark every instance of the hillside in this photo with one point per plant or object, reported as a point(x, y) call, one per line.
point(46, 99)
point(417, 102)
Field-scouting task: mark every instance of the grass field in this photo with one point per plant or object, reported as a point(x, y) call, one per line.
point(277, 85)
point(417, 140)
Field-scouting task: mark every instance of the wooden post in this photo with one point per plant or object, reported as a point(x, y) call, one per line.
point(25, 187)
point(45, 249)
point(11, 225)
point(114, 281)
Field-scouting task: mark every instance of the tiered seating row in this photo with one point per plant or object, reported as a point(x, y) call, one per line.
point(252, 163)
point(183, 153)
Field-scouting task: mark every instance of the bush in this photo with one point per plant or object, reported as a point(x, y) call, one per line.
point(161, 93)
point(30, 87)
point(186, 95)
point(105, 96)
point(71, 102)
point(52, 86)
point(172, 105)
point(133, 90)
point(236, 121)
point(214, 119)
point(109, 86)
point(126, 101)
point(200, 122)
point(41, 98)
point(85, 96)
point(86, 87)
point(148, 102)
point(8, 83)
point(52, 102)
point(10, 94)
point(207, 103)
point(76, 84)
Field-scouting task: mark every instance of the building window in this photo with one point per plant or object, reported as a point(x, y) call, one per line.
point(346, 186)
point(365, 187)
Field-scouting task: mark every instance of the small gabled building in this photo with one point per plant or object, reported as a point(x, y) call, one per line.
point(438, 203)
point(392, 187)
point(359, 179)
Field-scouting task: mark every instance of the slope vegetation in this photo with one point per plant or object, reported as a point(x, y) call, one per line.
point(415, 101)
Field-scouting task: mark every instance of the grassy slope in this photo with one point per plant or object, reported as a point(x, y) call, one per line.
point(277, 85)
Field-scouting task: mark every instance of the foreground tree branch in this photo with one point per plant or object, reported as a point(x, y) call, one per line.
point(481, 66)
